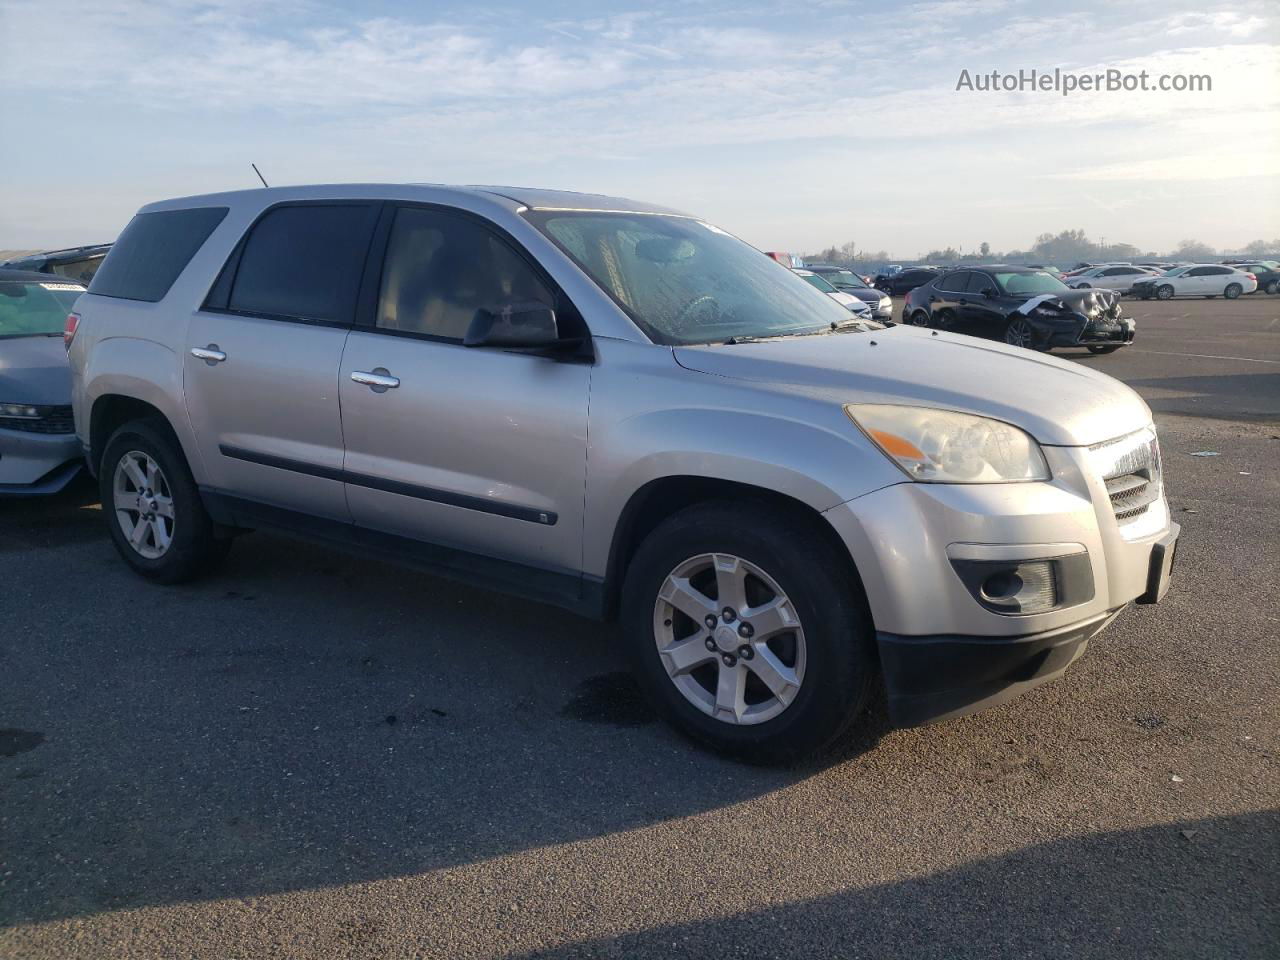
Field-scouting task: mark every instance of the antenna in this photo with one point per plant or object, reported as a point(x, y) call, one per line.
point(258, 172)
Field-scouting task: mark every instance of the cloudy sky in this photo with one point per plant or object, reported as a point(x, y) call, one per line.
point(794, 125)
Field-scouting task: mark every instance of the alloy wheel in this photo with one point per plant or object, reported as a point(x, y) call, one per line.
point(1019, 334)
point(729, 638)
point(143, 502)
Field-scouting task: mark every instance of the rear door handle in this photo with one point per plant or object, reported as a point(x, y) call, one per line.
point(379, 379)
point(210, 354)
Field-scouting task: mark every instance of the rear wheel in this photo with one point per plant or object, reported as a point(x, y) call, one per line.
point(1233, 290)
point(746, 634)
point(1164, 292)
point(152, 505)
point(920, 319)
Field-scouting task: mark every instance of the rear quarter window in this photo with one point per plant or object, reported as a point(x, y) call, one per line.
point(152, 251)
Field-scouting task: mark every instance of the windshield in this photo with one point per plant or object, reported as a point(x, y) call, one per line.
point(845, 278)
point(33, 309)
point(818, 282)
point(685, 281)
point(1030, 283)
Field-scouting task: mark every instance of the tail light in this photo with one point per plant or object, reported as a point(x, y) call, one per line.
point(69, 331)
point(1252, 277)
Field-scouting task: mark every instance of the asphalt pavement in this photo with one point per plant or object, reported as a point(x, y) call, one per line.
point(308, 755)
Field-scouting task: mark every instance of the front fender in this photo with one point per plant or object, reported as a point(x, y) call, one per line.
point(687, 424)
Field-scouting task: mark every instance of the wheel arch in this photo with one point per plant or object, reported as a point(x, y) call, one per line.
point(655, 501)
point(111, 411)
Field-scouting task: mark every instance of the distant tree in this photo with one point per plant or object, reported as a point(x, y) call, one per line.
point(1194, 250)
point(1258, 248)
point(984, 250)
point(1067, 245)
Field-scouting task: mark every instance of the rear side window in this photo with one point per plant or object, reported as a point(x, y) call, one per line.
point(304, 262)
point(153, 249)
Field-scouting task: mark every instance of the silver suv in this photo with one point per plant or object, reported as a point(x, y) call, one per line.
point(625, 411)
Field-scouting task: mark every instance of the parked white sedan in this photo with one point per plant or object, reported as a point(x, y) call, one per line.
point(1197, 280)
point(851, 303)
point(1119, 277)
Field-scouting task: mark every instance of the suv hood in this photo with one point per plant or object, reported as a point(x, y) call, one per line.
point(1057, 402)
point(34, 370)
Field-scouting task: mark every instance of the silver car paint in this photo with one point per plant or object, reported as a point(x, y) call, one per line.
point(582, 440)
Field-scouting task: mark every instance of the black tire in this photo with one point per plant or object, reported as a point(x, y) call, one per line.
point(1084, 286)
point(194, 549)
point(1108, 348)
point(1233, 290)
point(841, 664)
point(1019, 333)
point(920, 319)
point(1273, 287)
point(1164, 292)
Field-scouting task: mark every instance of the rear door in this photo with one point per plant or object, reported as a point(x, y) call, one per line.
point(261, 368)
point(477, 448)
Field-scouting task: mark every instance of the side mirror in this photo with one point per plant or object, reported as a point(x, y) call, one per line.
point(528, 325)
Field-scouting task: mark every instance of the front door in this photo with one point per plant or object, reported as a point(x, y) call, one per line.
point(477, 448)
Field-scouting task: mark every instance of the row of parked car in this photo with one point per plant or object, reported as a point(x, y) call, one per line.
point(1146, 280)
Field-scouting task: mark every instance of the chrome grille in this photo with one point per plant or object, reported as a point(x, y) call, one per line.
point(55, 419)
point(1131, 471)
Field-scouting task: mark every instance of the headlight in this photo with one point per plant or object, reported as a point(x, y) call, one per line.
point(939, 446)
point(20, 411)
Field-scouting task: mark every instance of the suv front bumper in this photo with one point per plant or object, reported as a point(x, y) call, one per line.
point(944, 651)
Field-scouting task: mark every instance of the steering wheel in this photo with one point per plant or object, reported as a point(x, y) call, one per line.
point(703, 302)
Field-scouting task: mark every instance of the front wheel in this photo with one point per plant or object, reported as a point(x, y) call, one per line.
point(1019, 333)
point(746, 633)
point(1272, 287)
point(152, 505)
point(1164, 292)
point(1233, 290)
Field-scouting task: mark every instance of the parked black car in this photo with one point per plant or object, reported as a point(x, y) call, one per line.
point(1267, 272)
point(906, 280)
point(74, 263)
point(1021, 306)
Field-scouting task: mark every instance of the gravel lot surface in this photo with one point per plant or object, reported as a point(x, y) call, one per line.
point(313, 756)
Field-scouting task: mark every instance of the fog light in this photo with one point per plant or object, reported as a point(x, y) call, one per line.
point(1020, 587)
point(1023, 588)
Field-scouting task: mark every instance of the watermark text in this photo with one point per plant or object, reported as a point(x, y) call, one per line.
point(1066, 82)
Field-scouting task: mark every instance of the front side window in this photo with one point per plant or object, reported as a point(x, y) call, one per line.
point(1030, 284)
point(442, 268)
point(304, 262)
point(684, 281)
point(34, 309)
point(979, 283)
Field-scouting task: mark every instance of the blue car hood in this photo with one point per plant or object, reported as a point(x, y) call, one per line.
point(34, 370)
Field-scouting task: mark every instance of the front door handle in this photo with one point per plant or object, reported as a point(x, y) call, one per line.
point(210, 354)
point(379, 379)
